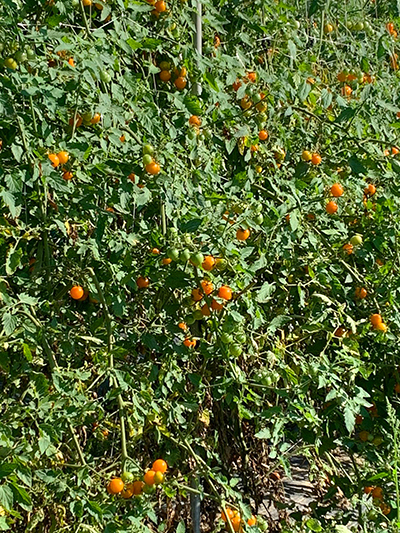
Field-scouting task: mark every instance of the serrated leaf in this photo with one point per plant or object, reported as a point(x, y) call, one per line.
point(181, 528)
point(6, 469)
point(9, 322)
point(27, 352)
point(265, 292)
point(22, 497)
point(192, 104)
point(13, 260)
point(210, 79)
point(6, 497)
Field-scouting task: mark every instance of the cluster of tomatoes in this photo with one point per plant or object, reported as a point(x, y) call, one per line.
point(236, 520)
point(61, 158)
point(377, 495)
point(127, 486)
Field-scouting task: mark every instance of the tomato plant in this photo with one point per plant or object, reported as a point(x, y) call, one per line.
point(200, 275)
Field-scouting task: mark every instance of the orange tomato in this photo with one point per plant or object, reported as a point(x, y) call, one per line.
point(207, 286)
point(370, 190)
point(137, 487)
point(216, 306)
point(331, 207)
point(115, 486)
point(153, 168)
point(346, 90)
point(148, 478)
point(263, 135)
point(360, 293)
point(180, 83)
point(160, 6)
point(197, 295)
point(165, 75)
point(208, 263)
point(160, 466)
point(252, 76)
point(377, 493)
point(96, 118)
point(183, 326)
point(376, 319)
point(395, 150)
point(194, 120)
point(348, 248)
point(225, 292)
point(316, 159)
point(54, 160)
point(252, 521)
point(242, 234)
point(63, 157)
point(67, 176)
point(336, 190)
point(166, 260)
point(142, 282)
point(76, 292)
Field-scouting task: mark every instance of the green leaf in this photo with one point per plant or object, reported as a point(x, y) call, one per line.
point(22, 497)
point(6, 497)
point(181, 528)
point(265, 293)
point(27, 352)
point(14, 256)
point(210, 79)
point(192, 104)
point(9, 322)
point(356, 166)
point(6, 469)
point(314, 525)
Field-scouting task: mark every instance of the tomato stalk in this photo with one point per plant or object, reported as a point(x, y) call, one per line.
point(121, 407)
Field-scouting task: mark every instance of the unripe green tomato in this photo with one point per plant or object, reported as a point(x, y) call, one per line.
point(197, 258)
point(30, 53)
point(350, 25)
point(10, 63)
point(221, 265)
point(226, 338)
point(172, 27)
point(190, 320)
point(356, 240)
point(258, 208)
point(75, 4)
point(235, 350)
point(147, 159)
point(220, 228)
point(198, 315)
point(127, 477)
point(187, 238)
point(173, 254)
point(184, 255)
point(259, 219)
point(265, 379)
point(87, 117)
point(296, 24)
point(201, 137)
point(228, 326)
point(192, 133)
point(21, 56)
point(147, 489)
point(377, 441)
point(370, 437)
point(105, 76)
point(165, 65)
point(148, 149)
point(241, 338)
point(359, 26)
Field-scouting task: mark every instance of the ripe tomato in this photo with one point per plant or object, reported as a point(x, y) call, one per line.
point(76, 292)
point(153, 168)
point(216, 306)
point(142, 282)
point(63, 157)
point(67, 176)
point(197, 295)
point(96, 118)
point(360, 293)
point(160, 6)
point(207, 286)
point(115, 486)
point(137, 487)
point(263, 135)
point(160, 466)
point(316, 159)
point(252, 521)
point(370, 190)
point(165, 75)
point(225, 292)
point(208, 263)
point(148, 478)
point(180, 83)
point(54, 160)
point(375, 320)
point(242, 234)
point(331, 207)
point(194, 120)
point(336, 190)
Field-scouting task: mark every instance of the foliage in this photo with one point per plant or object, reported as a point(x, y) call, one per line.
point(291, 364)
